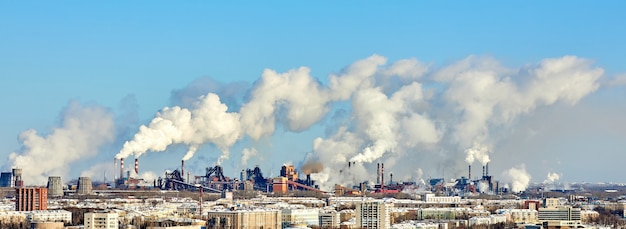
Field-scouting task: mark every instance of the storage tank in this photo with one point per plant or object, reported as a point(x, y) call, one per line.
point(55, 188)
point(84, 186)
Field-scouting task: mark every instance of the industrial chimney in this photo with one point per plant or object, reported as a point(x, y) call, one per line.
point(182, 168)
point(487, 170)
point(137, 166)
point(122, 169)
point(469, 175)
point(382, 174)
point(378, 174)
point(484, 171)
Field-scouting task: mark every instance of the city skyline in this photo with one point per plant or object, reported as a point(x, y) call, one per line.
point(424, 88)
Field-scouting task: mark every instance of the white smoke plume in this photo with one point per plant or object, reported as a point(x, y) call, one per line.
point(551, 178)
point(398, 113)
point(207, 122)
point(301, 95)
point(518, 177)
point(246, 154)
point(82, 131)
point(479, 153)
point(485, 94)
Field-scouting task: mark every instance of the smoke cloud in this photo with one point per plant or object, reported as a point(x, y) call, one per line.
point(207, 122)
point(398, 113)
point(552, 177)
point(246, 154)
point(518, 178)
point(312, 167)
point(83, 129)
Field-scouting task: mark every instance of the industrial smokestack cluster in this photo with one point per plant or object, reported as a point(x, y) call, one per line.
point(380, 179)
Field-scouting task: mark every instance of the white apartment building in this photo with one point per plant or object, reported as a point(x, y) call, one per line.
point(49, 216)
point(306, 216)
point(373, 215)
point(329, 219)
point(431, 198)
point(101, 220)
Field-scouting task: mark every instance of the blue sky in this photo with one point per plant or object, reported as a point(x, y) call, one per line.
point(52, 53)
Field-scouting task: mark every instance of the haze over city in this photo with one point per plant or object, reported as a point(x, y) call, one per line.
point(535, 89)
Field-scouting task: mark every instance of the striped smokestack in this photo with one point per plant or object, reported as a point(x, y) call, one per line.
point(136, 165)
point(122, 168)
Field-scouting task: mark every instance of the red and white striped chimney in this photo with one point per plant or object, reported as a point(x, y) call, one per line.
point(136, 165)
point(122, 168)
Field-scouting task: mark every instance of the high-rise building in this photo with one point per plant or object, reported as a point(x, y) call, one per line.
point(372, 215)
point(31, 199)
point(104, 220)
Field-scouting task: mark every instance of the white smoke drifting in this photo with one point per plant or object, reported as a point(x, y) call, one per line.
point(83, 130)
point(551, 178)
point(208, 121)
point(518, 178)
point(397, 113)
point(246, 154)
point(477, 152)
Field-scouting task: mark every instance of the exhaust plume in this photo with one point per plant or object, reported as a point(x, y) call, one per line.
point(312, 167)
point(246, 154)
point(552, 177)
point(518, 178)
point(82, 131)
point(478, 153)
point(207, 122)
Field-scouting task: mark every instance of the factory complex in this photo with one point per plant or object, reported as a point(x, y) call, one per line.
point(179, 200)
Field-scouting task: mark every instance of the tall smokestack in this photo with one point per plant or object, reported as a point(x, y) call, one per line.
point(122, 169)
point(182, 168)
point(390, 178)
point(378, 174)
point(469, 175)
point(484, 170)
point(487, 170)
point(382, 174)
point(136, 165)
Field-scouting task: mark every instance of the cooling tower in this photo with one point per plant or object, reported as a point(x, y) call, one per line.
point(84, 186)
point(55, 188)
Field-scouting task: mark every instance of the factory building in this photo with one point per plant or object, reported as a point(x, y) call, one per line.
point(244, 219)
point(108, 220)
point(373, 215)
point(6, 179)
point(31, 199)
